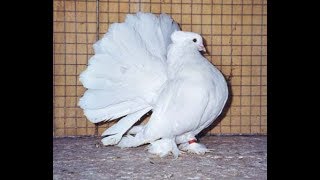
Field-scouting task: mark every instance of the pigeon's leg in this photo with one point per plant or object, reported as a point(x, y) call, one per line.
point(189, 143)
point(164, 147)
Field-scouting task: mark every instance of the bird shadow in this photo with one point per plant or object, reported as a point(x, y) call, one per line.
point(223, 113)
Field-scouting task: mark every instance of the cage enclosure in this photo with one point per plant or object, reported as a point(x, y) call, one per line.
point(235, 35)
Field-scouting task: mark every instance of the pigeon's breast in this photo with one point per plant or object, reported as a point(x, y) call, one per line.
point(218, 95)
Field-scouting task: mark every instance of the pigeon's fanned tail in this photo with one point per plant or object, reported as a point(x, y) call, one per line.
point(167, 28)
point(128, 70)
point(113, 111)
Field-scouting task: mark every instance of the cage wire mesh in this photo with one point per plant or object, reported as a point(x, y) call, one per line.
point(235, 33)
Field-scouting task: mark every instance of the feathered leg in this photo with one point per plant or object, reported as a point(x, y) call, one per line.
point(189, 144)
point(164, 147)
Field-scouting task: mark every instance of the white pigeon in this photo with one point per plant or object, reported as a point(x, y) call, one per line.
point(147, 63)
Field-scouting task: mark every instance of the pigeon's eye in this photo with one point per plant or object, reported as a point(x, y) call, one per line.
point(194, 40)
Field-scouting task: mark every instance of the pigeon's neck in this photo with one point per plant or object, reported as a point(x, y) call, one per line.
point(178, 55)
point(178, 50)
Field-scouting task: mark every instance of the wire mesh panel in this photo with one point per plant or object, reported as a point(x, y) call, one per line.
point(235, 33)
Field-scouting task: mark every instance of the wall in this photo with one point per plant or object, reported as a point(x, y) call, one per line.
point(235, 32)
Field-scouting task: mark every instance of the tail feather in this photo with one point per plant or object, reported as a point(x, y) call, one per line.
point(148, 27)
point(168, 26)
point(113, 112)
point(125, 123)
point(128, 70)
point(96, 99)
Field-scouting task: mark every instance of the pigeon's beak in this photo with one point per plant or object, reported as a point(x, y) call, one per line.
point(202, 48)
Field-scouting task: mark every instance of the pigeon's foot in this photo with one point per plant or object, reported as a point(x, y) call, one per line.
point(194, 147)
point(164, 147)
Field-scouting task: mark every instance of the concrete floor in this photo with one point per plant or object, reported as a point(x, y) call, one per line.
point(233, 157)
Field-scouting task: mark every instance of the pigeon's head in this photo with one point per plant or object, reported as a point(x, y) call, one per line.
point(189, 38)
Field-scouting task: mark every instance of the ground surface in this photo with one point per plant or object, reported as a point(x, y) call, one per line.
point(233, 157)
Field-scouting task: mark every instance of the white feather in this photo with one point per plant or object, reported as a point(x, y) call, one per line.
point(116, 131)
point(164, 147)
point(121, 77)
point(128, 121)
